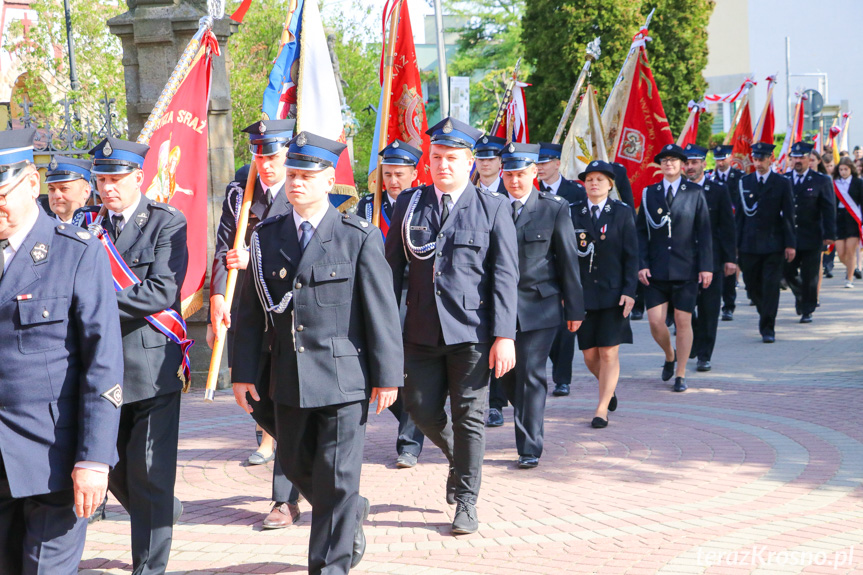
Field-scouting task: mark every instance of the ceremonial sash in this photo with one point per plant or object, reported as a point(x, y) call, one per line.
point(167, 322)
point(851, 206)
point(384, 220)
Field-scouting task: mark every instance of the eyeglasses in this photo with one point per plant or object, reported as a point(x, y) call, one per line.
point(669, 160)
point(3, 200)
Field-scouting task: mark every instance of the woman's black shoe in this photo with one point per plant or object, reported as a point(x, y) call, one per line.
point(612, 405)
point(599, 423)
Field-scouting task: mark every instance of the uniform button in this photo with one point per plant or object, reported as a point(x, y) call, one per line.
point(596, 281)
point(62, 227)
point(302, 349)
point(669, 247)
point(538, 236)
point(359, 350)
point(332, 274)
point(440, 254)
point(438, 292)
point(298, 285)
point(134, 261)
point(274, 274)
point(481, 302)
point(470, 241)
point(440, 235)
point(437, 274)
point(45, 313)
point(301, 327)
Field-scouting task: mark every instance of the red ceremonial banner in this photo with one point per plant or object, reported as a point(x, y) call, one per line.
point(175, 170)
point(644, 130)
point(742, 141)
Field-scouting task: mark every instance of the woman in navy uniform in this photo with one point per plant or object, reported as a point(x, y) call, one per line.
point(61, 374)
point(847, 229)
point(608, 257)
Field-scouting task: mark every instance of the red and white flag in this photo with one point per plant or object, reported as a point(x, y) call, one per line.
point(689, 134)
point(767, 122)
point(514, 128)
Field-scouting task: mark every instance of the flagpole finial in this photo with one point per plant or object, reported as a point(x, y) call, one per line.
point(593, 50)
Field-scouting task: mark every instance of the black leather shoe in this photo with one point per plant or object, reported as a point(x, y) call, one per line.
point(728, 316)
point(703, 365)
point(359, 536)
point(858, 274)
point(668, 368)
point(612, 404)
point(495, 418)
point(465, 520)
point(636, 315)
point(450, 486)
point(527, 461)
point(99, 514)
point(561, 390)
point(768, 338)
point(806, 318)
point(679, 384)
point(406, 461)
point(599, 423)
point(828, 275)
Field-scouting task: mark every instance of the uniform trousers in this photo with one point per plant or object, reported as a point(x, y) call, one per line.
point(706, 321)
point(322, 448)
point(762, 274)
point(410, 439)
point(526, 386)
point(143, 479)
point(729, 292)
point(40, 534)
point(802, 275)
point(459, 372)
point(562, 353)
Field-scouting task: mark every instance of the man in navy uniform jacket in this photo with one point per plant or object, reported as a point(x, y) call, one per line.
point(61, 374)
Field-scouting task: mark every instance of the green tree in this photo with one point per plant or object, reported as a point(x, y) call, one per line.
point(44, 60)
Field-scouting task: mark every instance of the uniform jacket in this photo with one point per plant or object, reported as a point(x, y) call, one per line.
point(815, 210)
point(153, 245)
point(614, 269)
point(340, 335)
point(732, 182)
point(367, 202)
point(59, 353)
point(771, 228)
point(260, 210)
point(546, 254)
point(721, 224)
point(571, 191)
point(467, 291)
point(689, 249)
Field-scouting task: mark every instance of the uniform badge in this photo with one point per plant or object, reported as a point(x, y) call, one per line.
point(396, 144)
point(83, 235)
point(282, 273)
point(141, 219)
point(485, 139)
point(262, 128)
point(557, 198)
point(302, 140)
point(53, 165)
point(750, 196)
point(172, 209)
point(582, 243)
point(39, 252)
point(511, 148)
point(607, 209)
point(602, 237)
point(114, 395)
point(584, 210)
point(659, 211)
point(447, 128)
point(594, 164)
point(495, 194)
point(668, 147)
point(364, 224)
point(582, 236)
point(107, 150)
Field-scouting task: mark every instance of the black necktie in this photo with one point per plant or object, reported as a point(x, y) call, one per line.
point(307, 230)
point(594, 213)
point(3, 244)
point(669, 196)
point(543, 187)
point(516, 207)
point(117, 222)
point(444, 207)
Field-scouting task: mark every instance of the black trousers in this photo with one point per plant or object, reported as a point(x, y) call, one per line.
point(561, 354)
point(729, 292)
point(459, 372)
point(39, 534)
point(496, 395)
point(762, 274)
point(264, 414)
point(802, 275)
point(706, 319)
point(323, 453)
point(410, 439)
point(526, 386)
point(143, 479)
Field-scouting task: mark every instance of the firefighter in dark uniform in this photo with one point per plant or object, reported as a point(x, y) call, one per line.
point(150, 237)
point(461, 306)
point(709, 302)
point(268, 141)
point(61, 374)
point(550, 180)
point(766, 235)
point(399, 168)
point(487, 154)
point(729, 176)
point(675, 247)
point(320, 287)
point(547, 275)
point(608, 258)
point(815, 221)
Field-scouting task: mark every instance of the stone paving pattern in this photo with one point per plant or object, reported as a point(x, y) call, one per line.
point(762, 455)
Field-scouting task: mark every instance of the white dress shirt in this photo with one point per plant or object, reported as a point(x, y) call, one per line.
point(799, 178)
point(513, 199)
point(555, 186)
point(127, 213)
point(843, 184)
point(315, 220)
point(495, 185)
point(600, 204)
point(454, 196)
point(275, 187)
point(675, 185)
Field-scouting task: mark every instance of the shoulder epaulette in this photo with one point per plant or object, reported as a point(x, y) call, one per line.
point(496, 195)
point(73, 232)
point(165, 207)
point(357, 222)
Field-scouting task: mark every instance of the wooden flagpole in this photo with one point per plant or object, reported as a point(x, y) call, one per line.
point(383, 130)
point(592, 54)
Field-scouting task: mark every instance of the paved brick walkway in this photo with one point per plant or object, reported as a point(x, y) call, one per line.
point(756, 469)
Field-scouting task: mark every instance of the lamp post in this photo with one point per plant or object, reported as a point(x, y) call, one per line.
point(73, 73)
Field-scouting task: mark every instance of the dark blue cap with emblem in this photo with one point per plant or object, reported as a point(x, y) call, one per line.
point(400, 153)
point(670, 151)
point(489, 146)
point(600, 167)
point(695, 152)
point(453, 133)
point(762, 150)
point(515, 157)
point(116, 156)
point(268, 137)
point(311, 152)
point(66, 169)
point(16, 152)
point(722, 152)
point(800, 149)
point(549, 152)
